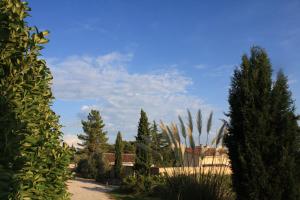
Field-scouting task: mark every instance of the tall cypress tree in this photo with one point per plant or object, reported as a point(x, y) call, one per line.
point(249, 100)
point(118, 155)
point(155, 143)
point(284, 126)
point(33, 159)
point(143, 141)
point(262, 132)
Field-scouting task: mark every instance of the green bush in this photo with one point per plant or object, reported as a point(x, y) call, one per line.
point(184, 184)
point(33, 158)
point(147, 185)
point(83, 168)
point(93, 167)
point(190, 187)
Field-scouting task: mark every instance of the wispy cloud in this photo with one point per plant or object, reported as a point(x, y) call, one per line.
point(113, 59)
point(71, 140)
point(89, 25)
point(292, 81)
point(119, 95)
point(215, 71)
point(200, 66)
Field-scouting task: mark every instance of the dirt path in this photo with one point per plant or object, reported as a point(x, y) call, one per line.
point(86, 189)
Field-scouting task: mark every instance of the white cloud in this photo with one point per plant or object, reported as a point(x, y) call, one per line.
point(292, 81)
point(119, 95)
point(113, 59)
point(71, 140)
point(220, 71)
point(87, 109)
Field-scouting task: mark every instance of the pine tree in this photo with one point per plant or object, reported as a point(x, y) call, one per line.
point(118, 155)
point(94, 138)
point(143, 149)
point(33, 158)
point(93, 143)
point(283, 148)
point(155, 144)
point(249, 127)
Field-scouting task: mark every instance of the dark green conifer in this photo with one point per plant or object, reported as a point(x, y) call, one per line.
point(94, 138)
point(249, 127)
point(283, 147)
point(143, 147)
point(93, 145)
point(262, 132)
point(118, 155)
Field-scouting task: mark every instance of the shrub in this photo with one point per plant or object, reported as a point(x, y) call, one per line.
point(33, 159)
point(198, 182)
point(146, 185)
point(93, 167)
point(208, 187)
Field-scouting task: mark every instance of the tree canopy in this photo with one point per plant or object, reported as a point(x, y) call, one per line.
point(143, 147)
point(33, 159)
point(93, 144)
point(262, 130)
point(118, 155)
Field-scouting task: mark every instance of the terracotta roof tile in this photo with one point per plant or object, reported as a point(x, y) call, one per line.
point(207, 151)
point(128, 158)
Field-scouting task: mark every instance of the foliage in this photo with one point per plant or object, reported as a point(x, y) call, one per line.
point(123, 196)
point(94, 143)
point(94, 138)
point(143, 155)
point(155, 143)
point(118, 156)
point(284, 146)
point(262, 130)
point(33, 158)
point(146, 185)
point(189, 187)
point(190, 179)
point(129, 147)
point(298, 156)
point(160, 148)
point(93, 166)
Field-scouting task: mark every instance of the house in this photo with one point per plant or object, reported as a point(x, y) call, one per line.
point(127, 159)
point(205, 156)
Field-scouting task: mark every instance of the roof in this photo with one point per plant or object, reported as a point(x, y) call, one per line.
point(127, 159)
point(207, 151)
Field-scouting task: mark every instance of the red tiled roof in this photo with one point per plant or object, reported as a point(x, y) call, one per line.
point(207, 151)
point(126, 158)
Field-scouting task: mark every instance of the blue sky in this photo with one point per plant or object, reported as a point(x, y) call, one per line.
point(161, 55)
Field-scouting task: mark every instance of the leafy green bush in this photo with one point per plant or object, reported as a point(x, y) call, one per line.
point(93, 167)
point(147, 185)
point(33, 159)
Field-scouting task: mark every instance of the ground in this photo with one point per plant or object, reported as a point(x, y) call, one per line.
point(86, 189)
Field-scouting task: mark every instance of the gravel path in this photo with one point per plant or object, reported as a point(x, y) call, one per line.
point(86, 189)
